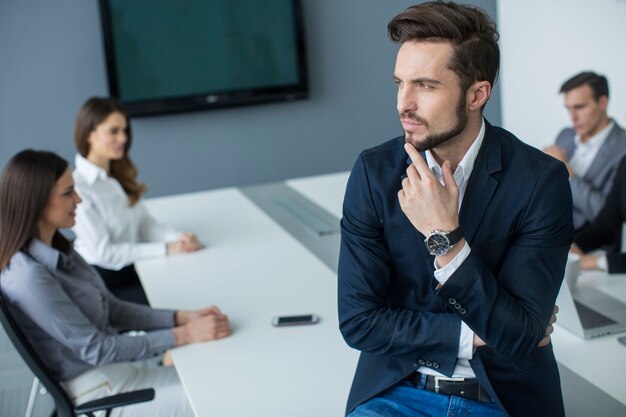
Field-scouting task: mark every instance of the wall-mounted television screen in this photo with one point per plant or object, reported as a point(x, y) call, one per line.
point(166, 56)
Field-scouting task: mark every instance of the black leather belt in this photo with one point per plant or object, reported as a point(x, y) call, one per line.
point(468, 388)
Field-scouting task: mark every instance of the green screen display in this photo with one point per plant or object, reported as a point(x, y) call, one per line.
point(165, 49)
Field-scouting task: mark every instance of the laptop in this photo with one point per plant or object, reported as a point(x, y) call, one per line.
point(585, 311)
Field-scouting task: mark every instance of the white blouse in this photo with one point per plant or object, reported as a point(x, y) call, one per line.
point(110, 233)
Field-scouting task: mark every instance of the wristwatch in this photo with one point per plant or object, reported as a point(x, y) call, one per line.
point(440, 242)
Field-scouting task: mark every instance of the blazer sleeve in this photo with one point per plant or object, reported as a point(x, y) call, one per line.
point(591, 191)
point(606, 229)
point(588, 198)
point(616, 263)
point(510, 308)
point(367, 322)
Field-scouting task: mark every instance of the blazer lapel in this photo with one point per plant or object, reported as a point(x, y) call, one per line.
point(605, 153)
point(482, 184)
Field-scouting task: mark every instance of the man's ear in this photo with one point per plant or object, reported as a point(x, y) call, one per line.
point(603, 102)
point(478, 94)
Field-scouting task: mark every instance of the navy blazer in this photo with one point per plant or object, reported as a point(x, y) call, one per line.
point(517, 219)
point(606, 229)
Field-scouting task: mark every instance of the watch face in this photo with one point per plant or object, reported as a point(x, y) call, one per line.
point(438, 244)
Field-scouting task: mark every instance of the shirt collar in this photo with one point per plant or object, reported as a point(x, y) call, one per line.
point(464, 170)
point(597, 139)
point(44, 254)
point(90, 171)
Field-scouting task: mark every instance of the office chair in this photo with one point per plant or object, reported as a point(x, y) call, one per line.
point(62, 402)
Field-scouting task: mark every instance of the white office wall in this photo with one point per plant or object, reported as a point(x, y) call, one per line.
point(544, 42)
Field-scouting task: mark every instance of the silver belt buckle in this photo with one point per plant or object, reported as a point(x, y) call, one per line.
point(446, 379)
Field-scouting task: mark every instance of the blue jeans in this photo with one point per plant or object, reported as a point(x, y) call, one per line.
point(406, 400)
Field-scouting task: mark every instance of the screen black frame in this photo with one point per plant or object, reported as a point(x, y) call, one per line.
point(206, 100)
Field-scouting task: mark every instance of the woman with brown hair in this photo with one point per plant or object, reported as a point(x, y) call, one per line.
point(72, 321)
point(113, 228)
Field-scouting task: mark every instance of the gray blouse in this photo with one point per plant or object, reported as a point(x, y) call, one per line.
point(71, 318)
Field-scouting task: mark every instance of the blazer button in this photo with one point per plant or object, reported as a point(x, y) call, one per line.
point(435, 365)
point(451, 300)
point(457, 306)
point(421, 362)
point(429, 363)
point(462, 311)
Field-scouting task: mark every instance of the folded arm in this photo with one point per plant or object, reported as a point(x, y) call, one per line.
point(97, 247)
point(367, 320)
point(511, 308)
point(45, 302)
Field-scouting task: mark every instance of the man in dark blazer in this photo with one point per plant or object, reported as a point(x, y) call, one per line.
point(592, 147)
point(454, 240)
point(606, 230)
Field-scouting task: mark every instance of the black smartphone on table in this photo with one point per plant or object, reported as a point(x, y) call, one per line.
point(280, 321)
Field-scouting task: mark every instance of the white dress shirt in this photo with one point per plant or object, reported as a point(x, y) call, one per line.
point(110, 233)
point(586, 151)
point(461, 178)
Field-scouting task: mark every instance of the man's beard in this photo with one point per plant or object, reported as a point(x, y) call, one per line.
point(437, 139)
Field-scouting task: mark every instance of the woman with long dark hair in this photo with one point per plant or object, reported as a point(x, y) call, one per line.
point(71, 319)
point(113, 228)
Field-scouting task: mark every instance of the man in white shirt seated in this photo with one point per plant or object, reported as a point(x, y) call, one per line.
point(592, 148)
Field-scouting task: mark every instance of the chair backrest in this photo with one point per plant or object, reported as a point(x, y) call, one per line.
point(63, 404)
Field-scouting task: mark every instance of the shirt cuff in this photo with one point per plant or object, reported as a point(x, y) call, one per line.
point(172, 235)
point(150, 250)
point(164, 317)
point(466, 342)
point(602, 263)
point(442, 274)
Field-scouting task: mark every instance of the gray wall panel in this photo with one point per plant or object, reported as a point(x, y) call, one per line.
point(52, 60)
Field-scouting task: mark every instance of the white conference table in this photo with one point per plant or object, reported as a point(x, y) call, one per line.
point(601, 361)
point(253, 270)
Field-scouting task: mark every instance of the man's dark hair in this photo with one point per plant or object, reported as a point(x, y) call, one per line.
point(598, 83)
point(472, 33)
